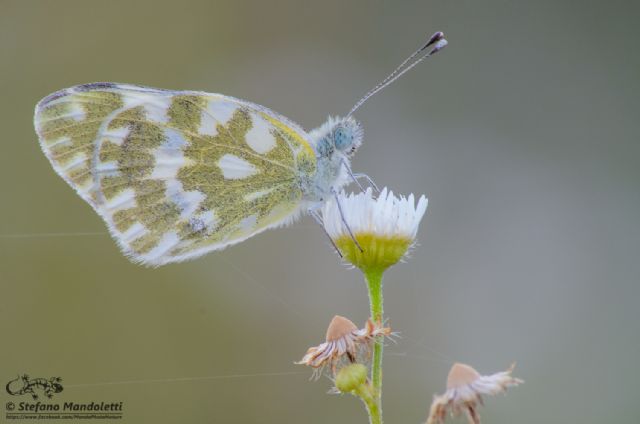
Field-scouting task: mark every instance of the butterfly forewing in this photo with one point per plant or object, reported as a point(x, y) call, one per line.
point(175, 174)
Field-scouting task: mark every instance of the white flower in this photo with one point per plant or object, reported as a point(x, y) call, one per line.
point(343, 341)
point(385, 227)
point(386, 216)
point(465, 387)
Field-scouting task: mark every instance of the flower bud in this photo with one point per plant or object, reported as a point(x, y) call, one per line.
point(351, 378)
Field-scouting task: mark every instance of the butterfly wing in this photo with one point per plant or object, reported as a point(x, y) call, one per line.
point(175, 174)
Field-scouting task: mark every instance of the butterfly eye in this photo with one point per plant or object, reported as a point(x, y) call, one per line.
point(342, 138)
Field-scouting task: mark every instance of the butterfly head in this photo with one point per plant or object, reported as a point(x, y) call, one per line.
point(342, 135)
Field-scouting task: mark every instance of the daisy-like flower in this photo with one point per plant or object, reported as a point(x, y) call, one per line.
point(385, 227)
point(344, 341)
point(465, 387)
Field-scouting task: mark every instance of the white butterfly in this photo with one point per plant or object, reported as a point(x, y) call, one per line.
point(176, 174)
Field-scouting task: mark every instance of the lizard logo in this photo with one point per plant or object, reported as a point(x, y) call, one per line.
point(23, 385)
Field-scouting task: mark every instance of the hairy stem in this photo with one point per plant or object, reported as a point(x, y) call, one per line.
point(374, 284)
point(372, 404)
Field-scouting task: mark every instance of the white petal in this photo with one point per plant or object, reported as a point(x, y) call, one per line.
point(386, 215)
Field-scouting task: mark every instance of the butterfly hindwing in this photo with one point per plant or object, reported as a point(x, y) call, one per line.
point(175, 174)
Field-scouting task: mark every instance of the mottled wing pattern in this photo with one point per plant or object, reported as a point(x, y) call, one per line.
point(175, 174)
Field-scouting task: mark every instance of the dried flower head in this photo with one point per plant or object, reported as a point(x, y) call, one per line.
point(385, 227)
point(344, 341)
point(465, 387)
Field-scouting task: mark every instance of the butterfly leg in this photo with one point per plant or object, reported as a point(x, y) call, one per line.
point(355, 177)
point(344, 221)
point(315, 215)
point(369, 180)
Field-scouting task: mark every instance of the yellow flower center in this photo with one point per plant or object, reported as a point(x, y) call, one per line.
point(378, 252)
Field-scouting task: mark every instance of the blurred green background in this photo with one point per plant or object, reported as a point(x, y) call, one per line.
point(524, 134)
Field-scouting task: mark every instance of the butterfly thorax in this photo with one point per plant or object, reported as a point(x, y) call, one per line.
point(334, 144)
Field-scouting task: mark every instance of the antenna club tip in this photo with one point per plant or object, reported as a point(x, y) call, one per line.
point(435, 38)
point(441, 44)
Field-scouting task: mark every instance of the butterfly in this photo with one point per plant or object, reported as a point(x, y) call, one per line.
point(177, 174)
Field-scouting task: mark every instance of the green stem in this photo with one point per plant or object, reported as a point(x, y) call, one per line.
point(374, 284)
point(372, 404)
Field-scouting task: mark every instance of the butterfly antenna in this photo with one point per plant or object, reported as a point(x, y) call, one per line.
point(437, 42)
